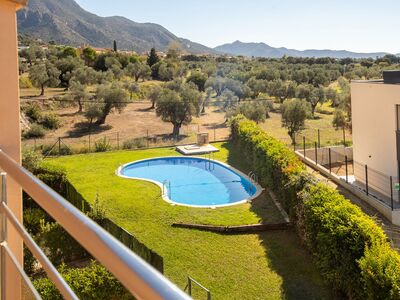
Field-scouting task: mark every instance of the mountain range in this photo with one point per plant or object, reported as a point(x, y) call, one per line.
point(264, 50)
point(65, 22)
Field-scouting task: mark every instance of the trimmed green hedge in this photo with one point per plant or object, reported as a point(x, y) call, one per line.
point(349, 248)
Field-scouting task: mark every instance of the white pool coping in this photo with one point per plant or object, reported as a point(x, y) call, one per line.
point(259, 188)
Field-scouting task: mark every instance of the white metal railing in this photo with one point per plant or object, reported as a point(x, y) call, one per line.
point(142, 280)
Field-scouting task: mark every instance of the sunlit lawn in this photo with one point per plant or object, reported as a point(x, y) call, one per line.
point(272, 265)
point(328, 134)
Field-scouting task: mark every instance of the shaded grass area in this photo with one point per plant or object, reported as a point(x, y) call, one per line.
point(271, 265)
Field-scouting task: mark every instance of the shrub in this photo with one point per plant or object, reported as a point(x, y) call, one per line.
point(380, 272)
point(58, 244)
point(36, 131)
point(51, 121)
point(349, 248)
point(24, 82)
point(31, 159)
point(337, 233)
point(54, 176)
point(135, 143)
point(33, 112)
point(90, 283)
point(53, 150)
point(103, 145)
point(274, 163)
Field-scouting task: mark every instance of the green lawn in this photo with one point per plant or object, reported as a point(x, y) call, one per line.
point(271, 265)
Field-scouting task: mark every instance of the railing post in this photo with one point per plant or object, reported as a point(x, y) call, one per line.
point(330, 160)
point(189, 286)
point(3, 237)
point(208, 295)
point(347, 171)
point(391, 191)
point(304, 146)
point(319, 139)
point(316, 154)
point(366, 180)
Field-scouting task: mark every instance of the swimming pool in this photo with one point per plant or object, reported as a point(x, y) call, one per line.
point(193, 181)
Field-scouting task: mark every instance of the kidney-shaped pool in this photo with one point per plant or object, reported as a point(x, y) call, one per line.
point(193, 181)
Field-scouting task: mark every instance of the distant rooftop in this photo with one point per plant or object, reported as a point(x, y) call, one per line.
point(389, 77)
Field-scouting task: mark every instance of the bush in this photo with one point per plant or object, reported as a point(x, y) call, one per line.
point(54, 176)
point(24, 82)
point(33, 112)
point(135, 143)
point(380, 272)
point(36, 131)
point(59, 246)
point(90, 283)
point(337, 233)
point(349, 248)
point(54, 150)
point(102, 145)
point(51, 121)
point(274, 163)
point(31, 159)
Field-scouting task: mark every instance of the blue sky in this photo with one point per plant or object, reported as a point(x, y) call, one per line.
point(356, 25)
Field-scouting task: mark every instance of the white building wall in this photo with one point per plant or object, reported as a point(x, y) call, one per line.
point(374, 128)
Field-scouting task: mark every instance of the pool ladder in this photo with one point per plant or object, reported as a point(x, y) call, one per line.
point(209, 157)
point(253, 178)
point(166, 187)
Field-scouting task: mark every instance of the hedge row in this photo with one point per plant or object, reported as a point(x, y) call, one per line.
point(349, 248)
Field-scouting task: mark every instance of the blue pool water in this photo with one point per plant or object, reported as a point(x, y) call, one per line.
point(194, 181)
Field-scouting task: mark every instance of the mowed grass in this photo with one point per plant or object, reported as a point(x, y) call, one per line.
point(271, 265)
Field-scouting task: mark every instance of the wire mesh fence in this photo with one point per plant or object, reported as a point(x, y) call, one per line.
point(95, 142)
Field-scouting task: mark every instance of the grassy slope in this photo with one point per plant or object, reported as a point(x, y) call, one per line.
point(271, 265)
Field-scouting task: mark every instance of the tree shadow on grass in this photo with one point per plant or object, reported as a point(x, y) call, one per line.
point(283, 249)
point(82, 129)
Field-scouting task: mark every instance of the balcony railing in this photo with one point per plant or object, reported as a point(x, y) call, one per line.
point(134, 273)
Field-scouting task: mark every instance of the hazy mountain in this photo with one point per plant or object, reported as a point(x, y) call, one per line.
point(65, 22)
point(264, 50)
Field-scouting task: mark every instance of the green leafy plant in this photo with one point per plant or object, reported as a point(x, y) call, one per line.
point(135, 143)
point(36, 131)
point(103, 145)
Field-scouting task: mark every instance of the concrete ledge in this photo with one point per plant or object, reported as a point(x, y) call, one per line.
point(392, 216)
point(196, 150)
point(236, 229)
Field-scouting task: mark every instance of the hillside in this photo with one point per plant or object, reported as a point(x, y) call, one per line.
point(264, 50)
point(65, 22)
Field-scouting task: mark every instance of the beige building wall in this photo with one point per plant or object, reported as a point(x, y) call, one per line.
point(374, 129)
point(10, 128)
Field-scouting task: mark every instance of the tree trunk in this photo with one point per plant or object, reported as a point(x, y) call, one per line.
point(175, 132)
point(153, 104)
point(80, 106)
point(42, 90)
point(106, 112)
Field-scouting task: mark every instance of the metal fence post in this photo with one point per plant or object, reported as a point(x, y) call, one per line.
point(147, 138)
point(215, 134)
point(189, 286)
point(366, 180)
point(316, 154)
point(304, 146)
point(319, 139)
point(347, 171)
point(344, 137)
point(118, 140)
point(3, 236)
point(330, 160)
point(391, 191)
point(294, 142)
point(59, 146)
point(89, 140)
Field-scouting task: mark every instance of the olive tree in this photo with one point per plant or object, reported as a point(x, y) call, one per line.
point(294, 115)
point(138, 70)
point(78, 94)
point(44, 75)
point(111, 96)
point(178, 106)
